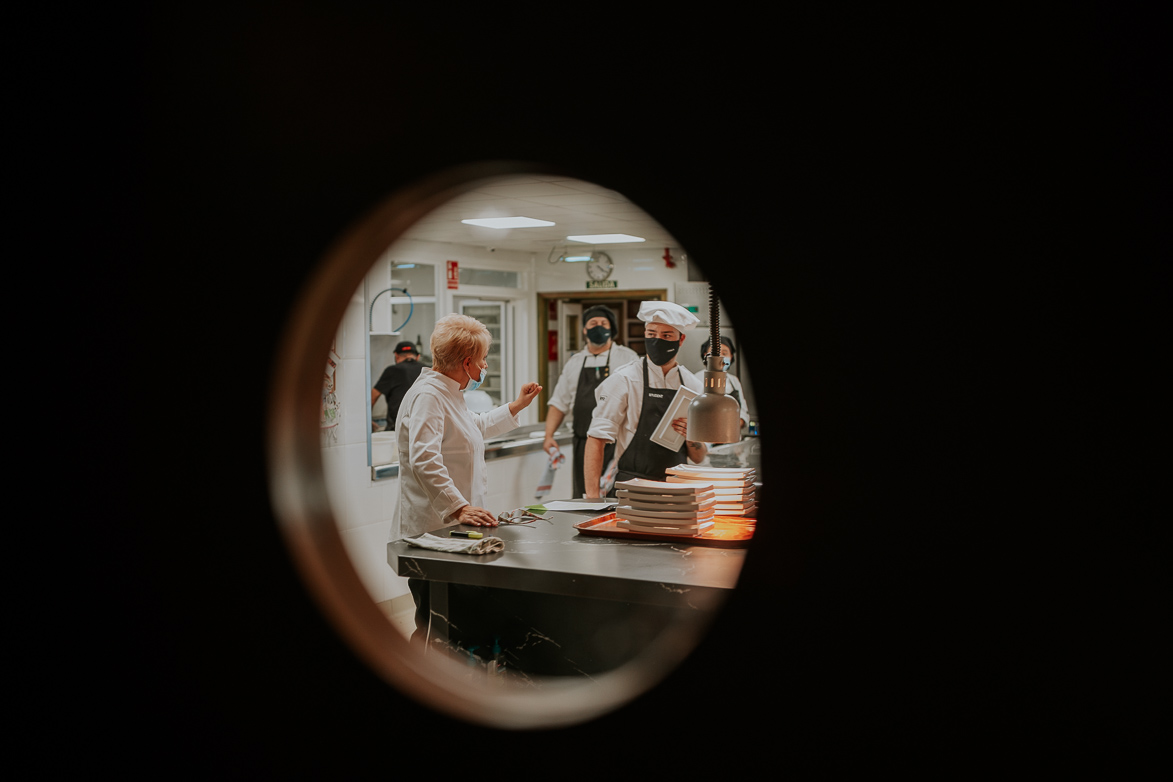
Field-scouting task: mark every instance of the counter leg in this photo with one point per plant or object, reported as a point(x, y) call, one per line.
point(437, 612)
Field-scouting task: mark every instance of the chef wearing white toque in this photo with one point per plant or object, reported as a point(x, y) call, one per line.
point(633, 400)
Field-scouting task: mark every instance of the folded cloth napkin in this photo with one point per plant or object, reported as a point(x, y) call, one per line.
point(457, 545)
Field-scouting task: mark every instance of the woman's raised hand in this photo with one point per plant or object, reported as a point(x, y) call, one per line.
point(527, 394)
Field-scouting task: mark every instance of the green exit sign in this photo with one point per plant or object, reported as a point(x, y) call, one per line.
point(602, 284)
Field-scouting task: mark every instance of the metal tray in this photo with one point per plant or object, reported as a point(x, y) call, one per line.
point(726, 532)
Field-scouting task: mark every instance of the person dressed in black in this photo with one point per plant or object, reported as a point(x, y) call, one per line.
point(396, 379)
point(574, 394)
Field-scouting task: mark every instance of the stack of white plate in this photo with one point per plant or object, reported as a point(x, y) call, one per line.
point(665, 508)
point(732, 486)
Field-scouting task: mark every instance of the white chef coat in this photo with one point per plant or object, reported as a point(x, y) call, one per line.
point(567, 385)
point(620, 400)
point(441, 453)
point(735, 385)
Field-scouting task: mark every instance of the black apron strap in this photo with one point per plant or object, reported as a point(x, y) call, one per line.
point(583, 410)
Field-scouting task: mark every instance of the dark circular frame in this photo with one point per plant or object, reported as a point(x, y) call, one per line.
point(299, 493)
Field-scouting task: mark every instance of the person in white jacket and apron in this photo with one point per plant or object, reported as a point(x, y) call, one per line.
point(633, 400)
point(575, 391)
point(442, 480)
point(729, 353)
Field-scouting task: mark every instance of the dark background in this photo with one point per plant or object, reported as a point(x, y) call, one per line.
point(952, 302)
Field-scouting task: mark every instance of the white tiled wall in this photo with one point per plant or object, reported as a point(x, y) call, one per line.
point(362, 507)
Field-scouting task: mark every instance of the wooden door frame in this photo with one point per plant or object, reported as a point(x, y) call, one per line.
point(544, 299)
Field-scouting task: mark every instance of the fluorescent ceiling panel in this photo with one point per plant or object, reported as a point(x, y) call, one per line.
point(507, 222)
point(604, 238)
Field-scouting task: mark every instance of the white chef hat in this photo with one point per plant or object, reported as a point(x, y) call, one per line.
point(668, 313)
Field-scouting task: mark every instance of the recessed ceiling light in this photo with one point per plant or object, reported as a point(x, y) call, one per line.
point(507, 222)
point(604, 238)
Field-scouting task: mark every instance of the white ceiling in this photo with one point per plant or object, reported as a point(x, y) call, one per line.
point(575, 207)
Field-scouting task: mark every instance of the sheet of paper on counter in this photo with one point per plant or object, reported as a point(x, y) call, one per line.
point(572, 505)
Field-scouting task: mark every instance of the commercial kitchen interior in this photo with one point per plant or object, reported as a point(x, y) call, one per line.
point(522, 269)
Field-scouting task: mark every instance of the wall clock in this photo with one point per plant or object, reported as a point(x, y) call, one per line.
point(599, 267)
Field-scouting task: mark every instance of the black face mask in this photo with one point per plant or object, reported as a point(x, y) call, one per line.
point(598, 335)
point(661, 351)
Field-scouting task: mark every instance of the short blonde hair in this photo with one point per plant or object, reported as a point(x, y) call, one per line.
point(455, 338)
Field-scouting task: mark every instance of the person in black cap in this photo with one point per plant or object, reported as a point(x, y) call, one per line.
point(729, 353)
point(575, 391)
point(396, 379)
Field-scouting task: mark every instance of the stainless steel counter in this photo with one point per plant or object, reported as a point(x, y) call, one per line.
point(527, 439)
point(522, 440)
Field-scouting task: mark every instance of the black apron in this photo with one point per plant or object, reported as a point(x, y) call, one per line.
point(583, 410)
point(643, 458)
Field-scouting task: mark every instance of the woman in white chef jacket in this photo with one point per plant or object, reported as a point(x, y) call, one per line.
point(441, 443)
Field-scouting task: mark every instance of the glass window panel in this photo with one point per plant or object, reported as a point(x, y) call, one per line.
point(420, 278)
point(492, 277)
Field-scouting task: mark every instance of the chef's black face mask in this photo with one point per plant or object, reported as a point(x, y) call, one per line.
point(598, 335)
point(661, 351)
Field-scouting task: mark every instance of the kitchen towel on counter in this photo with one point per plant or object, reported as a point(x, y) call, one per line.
point(457, 545)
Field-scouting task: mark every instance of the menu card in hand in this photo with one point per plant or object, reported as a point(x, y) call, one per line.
point(664, 434)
